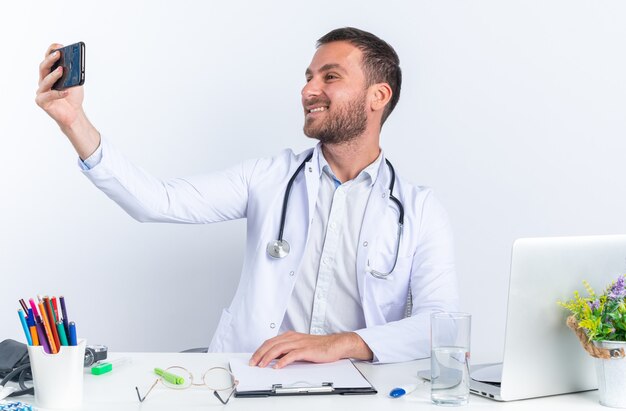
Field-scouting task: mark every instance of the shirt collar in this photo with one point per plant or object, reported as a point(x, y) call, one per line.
point(370, 172)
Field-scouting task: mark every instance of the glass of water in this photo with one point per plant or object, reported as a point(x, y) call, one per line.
point(449, 358)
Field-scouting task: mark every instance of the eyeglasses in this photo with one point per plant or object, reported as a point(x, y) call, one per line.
point(179, 378)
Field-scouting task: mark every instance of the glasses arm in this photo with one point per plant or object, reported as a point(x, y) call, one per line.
point(219, 397)
point(149, 390)
point(232, 391)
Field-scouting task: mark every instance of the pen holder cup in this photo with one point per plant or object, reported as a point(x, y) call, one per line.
point(58, 378)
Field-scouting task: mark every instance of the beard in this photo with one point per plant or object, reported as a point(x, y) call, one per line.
point(347, 123)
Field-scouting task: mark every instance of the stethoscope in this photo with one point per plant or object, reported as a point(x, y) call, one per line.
point(280, 248)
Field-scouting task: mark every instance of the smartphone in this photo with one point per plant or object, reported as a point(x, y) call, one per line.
point(73, 62)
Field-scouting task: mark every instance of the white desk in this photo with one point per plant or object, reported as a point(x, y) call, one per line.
point(116, 390)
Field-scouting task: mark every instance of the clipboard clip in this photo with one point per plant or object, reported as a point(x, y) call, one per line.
point(298, 388)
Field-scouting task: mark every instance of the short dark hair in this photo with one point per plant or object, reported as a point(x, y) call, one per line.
point(380, 61)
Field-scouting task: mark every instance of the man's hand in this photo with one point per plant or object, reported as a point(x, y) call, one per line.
point(292, 346)
point(66, 106)
point(63, 106)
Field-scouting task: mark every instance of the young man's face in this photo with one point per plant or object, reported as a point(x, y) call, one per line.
point(335, 95)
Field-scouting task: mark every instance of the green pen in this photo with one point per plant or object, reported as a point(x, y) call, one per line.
point(169, 377)
point(62, 335)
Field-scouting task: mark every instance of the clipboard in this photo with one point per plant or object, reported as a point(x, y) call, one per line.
point(300, 378)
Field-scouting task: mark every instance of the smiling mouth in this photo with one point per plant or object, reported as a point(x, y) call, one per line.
point(317, 109)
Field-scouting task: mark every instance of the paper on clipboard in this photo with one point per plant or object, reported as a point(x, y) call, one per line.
point(342, 374)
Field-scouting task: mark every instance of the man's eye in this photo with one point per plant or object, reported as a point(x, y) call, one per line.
point(331, 77)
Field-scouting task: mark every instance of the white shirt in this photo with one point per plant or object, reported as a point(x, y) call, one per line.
point(325, 299)
point(254, 190)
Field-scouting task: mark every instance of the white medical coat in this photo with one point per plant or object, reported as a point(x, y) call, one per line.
point(255, 190)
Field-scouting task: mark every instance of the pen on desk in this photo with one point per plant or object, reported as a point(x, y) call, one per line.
point(30, 320)
point(52, 321)
point(403, 390)
point(73, 340)
point(46, 327)
point(66, 321)
point(20, 313)
point(169, 377)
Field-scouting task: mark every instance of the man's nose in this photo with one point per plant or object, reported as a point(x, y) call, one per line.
point(311, 89)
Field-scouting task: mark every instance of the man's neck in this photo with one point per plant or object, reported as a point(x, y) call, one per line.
point(348, 159)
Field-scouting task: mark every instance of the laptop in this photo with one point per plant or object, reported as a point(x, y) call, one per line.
point(542, 356)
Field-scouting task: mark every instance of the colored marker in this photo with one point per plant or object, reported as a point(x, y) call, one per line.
point(43, 341)
point(46, 327)
point(66, 321)
point(33, 306)
point(30, 320)
point(42, 336)
point(73, 339)
point(55, 309)
point(20, 312)
point(23, 304)
point(62, 335)
point(52, 321)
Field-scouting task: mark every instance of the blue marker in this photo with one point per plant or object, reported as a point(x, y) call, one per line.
point(20, 312)
point(73, 340)
point(400, 391)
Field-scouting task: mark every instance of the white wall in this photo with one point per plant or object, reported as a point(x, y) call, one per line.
point(514, 111)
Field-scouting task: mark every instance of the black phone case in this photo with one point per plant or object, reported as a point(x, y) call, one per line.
point(73, 62)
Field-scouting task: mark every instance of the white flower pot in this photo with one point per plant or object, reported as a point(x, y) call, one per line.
point(612, 375)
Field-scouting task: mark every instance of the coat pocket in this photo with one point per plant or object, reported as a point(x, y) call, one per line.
point(391, 292)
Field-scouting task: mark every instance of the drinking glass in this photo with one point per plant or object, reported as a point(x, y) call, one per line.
point(449, 358)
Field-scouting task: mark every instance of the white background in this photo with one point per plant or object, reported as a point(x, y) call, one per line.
point(514, 111)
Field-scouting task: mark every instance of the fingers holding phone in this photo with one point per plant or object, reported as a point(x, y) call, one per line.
point(62, 69)
point(47, 76)
point(50, 58)
point(72, 60)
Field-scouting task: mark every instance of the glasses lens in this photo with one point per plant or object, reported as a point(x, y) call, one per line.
point(218, 379)
point(177, 378)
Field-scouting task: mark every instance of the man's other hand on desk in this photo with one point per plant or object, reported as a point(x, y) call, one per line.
point(292, 346)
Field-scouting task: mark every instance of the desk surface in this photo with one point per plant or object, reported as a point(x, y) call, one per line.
point(116, 390)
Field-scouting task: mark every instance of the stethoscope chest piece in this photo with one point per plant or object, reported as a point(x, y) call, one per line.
point(278, 248)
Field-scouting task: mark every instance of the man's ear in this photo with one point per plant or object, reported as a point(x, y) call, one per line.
point(381, 96)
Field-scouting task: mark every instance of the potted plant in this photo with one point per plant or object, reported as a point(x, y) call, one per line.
point(599, 321)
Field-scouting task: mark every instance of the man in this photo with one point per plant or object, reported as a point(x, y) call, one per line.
point(351, 285)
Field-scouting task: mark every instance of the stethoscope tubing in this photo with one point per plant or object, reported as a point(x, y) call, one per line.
point(280, 247)
point(286, 198)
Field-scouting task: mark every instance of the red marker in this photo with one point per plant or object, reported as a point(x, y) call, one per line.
point(55, 308)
